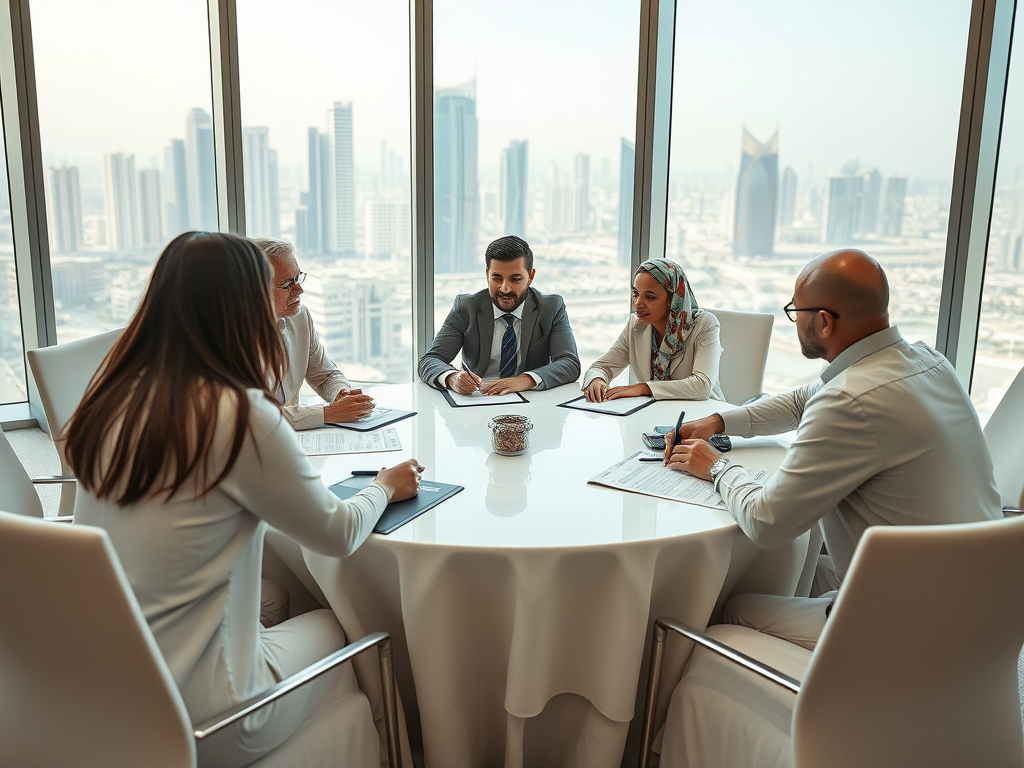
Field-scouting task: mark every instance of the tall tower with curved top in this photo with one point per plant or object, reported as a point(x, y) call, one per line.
point(757, 190)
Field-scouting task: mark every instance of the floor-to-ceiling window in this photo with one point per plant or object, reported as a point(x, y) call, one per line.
point(127, 144)
point(325, 141)
point(1000, 351)
point(800, 127)
point(12, 353)
point(534, 124)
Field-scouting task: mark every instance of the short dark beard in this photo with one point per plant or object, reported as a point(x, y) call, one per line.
point(519, 303)
point(811, 349)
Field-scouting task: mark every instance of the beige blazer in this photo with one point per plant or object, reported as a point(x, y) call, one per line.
point(694, 373)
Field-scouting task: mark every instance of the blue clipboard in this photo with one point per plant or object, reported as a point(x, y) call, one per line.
point(398, 513)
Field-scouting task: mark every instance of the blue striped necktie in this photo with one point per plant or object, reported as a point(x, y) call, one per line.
point(508, 348)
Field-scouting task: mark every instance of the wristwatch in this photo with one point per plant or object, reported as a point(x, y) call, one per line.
point(718, 468)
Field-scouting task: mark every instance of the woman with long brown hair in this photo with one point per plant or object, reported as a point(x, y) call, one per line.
point(183, 456)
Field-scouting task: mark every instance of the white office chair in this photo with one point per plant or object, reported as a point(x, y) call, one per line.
point(17, 493)
point(62, 373)
point(917, 665)
point(1003, 435)
point(82, 681)
point(745, 337)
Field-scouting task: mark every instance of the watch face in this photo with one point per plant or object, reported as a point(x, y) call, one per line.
point(718, 466)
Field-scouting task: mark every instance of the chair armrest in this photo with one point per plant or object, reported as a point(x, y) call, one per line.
point(732, 654)
point(661, 628)
point(1012, 511)
point(60, 519)
point(54, 479)
point(381, 640)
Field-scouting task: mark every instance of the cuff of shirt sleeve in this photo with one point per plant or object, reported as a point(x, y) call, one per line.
point(737, 421)
point(442, 379)
point(380, 489)
point(723, 473)
point(536, 378)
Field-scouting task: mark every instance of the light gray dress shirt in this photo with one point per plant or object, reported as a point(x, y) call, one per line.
point(494, 366)
point(888, 436)
point(307, 360)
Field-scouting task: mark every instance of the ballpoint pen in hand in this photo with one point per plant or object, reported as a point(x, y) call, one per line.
point(364, 472)
point(475, 381)
point(679, 424)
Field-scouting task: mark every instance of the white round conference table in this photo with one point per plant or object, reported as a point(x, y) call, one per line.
point(520, 607)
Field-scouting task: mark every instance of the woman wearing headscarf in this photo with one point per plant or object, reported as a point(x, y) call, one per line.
point(669, 343)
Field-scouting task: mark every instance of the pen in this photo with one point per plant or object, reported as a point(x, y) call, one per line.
point(364, 473)
point(652, 458)
point(477, 384)
point(679, 423)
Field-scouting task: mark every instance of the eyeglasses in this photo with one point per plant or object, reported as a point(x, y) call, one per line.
point(297, 280)
point(791, 311)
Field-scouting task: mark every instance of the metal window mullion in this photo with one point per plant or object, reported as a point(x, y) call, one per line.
point(25, 180)
point(227, 116)
point(653, 129)
point(974, 176)
point(421, 62)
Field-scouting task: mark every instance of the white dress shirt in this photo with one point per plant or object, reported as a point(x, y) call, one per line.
point(194, 560)
point(307, 360)
point(888, 436)
point(494, 366)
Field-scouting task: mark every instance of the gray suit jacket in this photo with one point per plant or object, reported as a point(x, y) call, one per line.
point(547, 347)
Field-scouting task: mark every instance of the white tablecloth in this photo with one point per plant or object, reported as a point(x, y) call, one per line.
point(520, 608)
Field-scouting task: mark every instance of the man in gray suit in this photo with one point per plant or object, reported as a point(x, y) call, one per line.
point(511, 336)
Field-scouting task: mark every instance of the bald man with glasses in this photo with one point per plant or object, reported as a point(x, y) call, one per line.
point(307, 359)
point(886, 436)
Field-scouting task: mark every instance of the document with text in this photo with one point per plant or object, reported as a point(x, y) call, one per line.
point(655, 479)
point(327, 440)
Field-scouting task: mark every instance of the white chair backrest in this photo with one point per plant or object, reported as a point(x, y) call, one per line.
point(745, 337)
point(917, 665)
point(1003, 435)
point(17, 494)
point(83, 682)
point(62, 374)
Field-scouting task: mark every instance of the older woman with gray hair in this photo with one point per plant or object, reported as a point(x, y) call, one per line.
point(669, 343)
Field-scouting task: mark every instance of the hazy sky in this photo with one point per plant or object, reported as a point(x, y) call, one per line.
point(875, 80)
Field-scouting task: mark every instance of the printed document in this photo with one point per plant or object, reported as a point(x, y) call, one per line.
point(327, 440)
point(655, 479)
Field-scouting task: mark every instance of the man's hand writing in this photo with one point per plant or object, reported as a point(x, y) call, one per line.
point(505, 386)
point(694, 456)
point(700, 429)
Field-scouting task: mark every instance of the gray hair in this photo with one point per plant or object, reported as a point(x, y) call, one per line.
point(275, 250)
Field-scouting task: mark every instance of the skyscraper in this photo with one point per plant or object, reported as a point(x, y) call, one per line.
point(513, 188)
point(626, 163)
point(456, 185)
point(387, 225)
point(787, 200)
point(310, 216)
point(200, 170)
point(120, 203)
point(175, 190)
point(870, 201)
point(63, 209)
point(841, 209)
point(895, 193)
point(581, 181)
point(757, 189)
point(341, 188)
point(150, 231)
point(259, 177)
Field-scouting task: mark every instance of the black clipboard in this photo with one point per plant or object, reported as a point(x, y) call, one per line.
point(453, 404)
point(398, 513)
point(570, 404)
point(356, 427)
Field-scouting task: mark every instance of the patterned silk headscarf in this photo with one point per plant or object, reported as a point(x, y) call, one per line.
point(682, 311)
